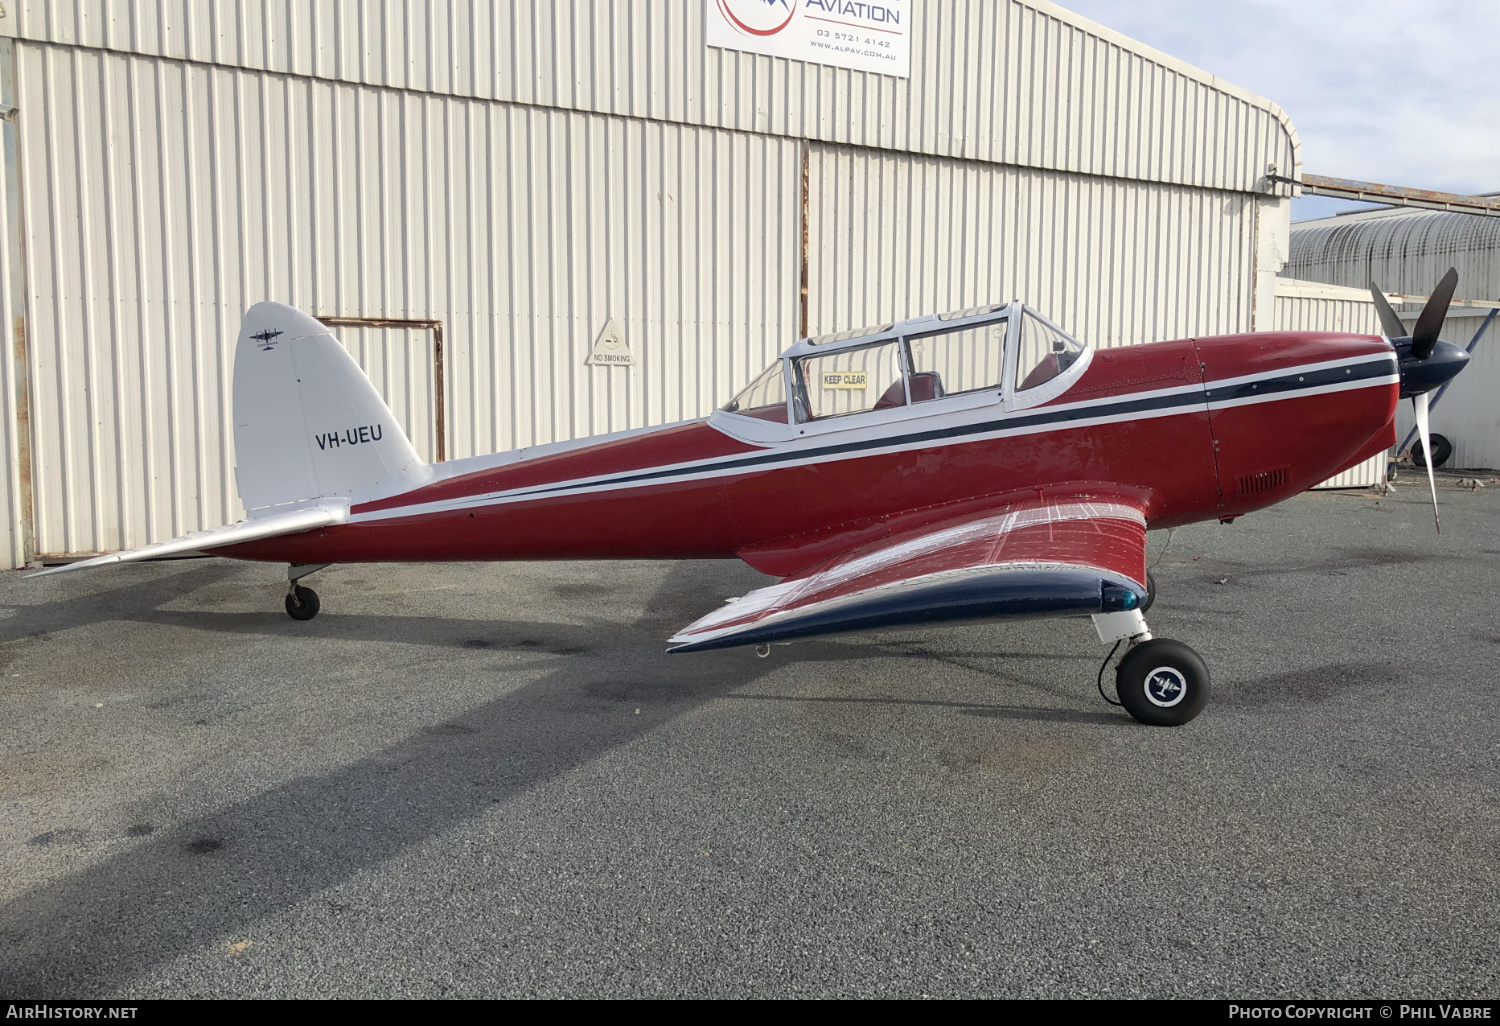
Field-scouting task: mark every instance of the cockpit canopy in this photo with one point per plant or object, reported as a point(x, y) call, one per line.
point(1006, 350)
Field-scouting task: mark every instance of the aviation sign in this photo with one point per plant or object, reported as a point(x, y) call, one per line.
point(863, 35)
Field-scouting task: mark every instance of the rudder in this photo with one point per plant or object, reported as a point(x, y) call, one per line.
point(308, 425)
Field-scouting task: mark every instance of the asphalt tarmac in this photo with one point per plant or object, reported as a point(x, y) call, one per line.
point(490, 780)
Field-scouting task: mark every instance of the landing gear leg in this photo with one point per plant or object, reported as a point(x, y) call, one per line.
point(1162, 683)
point(301, 603)
point(1150, 593)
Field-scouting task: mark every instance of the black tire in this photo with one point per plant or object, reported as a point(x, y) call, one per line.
point(1150, 592)
point(1162, 683)
point(302, 603)
point(1442, 450)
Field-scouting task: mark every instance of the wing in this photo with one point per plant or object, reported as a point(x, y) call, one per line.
point(293, 522)
point(1041, 559)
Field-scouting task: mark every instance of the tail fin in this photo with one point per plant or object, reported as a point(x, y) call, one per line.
point(308, 424)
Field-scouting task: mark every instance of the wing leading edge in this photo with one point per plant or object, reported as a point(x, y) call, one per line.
point(1045, 559)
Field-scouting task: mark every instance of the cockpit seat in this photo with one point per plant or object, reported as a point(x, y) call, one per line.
point(1043, 372)
point(892, 397)
point(925, 385)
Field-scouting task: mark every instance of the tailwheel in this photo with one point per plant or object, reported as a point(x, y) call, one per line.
point(1162, 683)
point(301, 603)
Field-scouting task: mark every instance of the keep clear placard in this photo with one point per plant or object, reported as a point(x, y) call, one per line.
point(864, 36)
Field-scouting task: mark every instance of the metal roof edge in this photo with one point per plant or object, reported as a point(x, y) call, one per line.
point(1301, 288)
point(29, 27)
point(1178, 65)
point(1297, 288)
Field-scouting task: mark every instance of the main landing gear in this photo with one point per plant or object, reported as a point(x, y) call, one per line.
point(1162, 683)
point(301, 603)
point(1159, 682)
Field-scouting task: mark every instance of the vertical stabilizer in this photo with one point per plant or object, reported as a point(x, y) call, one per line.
point(308, 424)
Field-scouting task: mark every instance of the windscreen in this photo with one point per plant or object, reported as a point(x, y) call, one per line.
point(959, 360)
point(849, 381)
point(764, 398)
point(1044, 354)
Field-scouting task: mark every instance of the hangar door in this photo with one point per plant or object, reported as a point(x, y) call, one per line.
point(404, 361)
point(517, 231)
point(1111, 261)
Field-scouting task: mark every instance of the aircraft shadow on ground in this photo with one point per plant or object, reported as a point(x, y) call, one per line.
point(1313, 684)
point(1003, 712)
point(93, 931)
point(125, 602)
point(191, 885)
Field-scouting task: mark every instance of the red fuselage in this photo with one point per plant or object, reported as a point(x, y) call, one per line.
point(1191, 430)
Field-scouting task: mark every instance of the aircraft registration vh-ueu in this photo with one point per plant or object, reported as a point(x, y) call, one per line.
point(963, 466)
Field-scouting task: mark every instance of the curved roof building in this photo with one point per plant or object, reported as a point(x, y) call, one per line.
point(1404, 250)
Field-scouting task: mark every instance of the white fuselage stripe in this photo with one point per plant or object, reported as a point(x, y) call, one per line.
point(940, 430)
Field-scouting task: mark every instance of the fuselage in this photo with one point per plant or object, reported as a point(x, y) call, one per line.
point(1198, 429)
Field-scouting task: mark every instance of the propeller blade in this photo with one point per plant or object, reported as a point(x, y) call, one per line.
point(1389, 322)
point(1425, 335)
point(1419, 407)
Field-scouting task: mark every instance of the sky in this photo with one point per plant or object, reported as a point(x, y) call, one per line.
point(1404, 92)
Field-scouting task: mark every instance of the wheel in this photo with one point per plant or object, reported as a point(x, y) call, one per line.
point(1150, 591)
point(1162, 683)
point(1442, 449)
point(302, 603)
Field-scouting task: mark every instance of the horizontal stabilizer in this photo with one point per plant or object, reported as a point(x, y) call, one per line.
point(292, 522)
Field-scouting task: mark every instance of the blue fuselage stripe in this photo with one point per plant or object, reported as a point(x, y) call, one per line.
point(1379, 366)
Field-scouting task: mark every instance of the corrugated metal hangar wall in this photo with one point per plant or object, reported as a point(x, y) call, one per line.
point(501, 179)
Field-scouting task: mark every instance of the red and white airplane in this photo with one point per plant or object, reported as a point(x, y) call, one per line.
point(966, 466)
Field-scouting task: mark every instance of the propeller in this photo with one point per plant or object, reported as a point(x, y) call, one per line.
point(1420, 372)
point(1425, 335)
point(1419, 408)
point(1389, 322)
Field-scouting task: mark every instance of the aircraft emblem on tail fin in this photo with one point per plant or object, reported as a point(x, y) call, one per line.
point(264, 338)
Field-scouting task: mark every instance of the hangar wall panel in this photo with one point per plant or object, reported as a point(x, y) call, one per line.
point(1468, 414)
point(165, 197)
point(1342, 315)
point(1368, 474)
point(1113, 262)
point(1000, 81)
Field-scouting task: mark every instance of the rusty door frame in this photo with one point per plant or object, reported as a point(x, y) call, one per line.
point(803, 297)
point(17, 316)
point(440, 425)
